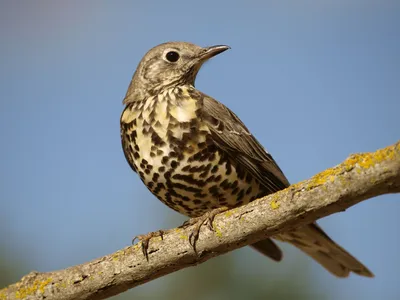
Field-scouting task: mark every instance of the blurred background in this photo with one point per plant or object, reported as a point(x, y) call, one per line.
point(313, 80)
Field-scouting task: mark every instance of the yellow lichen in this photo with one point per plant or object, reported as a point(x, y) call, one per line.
point(184, 237)
point(367, 160)
point(323, 177)
point(2, 295)
point(117, 255)
point(228, 213)
point(343, 180)
point(62, 284)
point(358, 161)
point(32, 289)
point(218, 232)
point(274, 204)
point(136, 247)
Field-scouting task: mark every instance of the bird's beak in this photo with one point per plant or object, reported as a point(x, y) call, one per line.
point(212, 51)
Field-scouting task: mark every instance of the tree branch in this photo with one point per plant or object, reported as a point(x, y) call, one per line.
point(360, 177)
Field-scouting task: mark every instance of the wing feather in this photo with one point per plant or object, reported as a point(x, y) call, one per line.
point(232, 136)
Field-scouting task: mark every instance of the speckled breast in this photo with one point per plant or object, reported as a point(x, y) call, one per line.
point(168, 145)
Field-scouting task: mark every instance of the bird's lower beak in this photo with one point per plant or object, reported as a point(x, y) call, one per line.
point(212, 51)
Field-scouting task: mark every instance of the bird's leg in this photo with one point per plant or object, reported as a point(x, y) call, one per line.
point(198, 222)
point(145, 239)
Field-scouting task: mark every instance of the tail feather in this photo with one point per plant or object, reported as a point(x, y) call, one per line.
point(312, 240)
point(268, 248)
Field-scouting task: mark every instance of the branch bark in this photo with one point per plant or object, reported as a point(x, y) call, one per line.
point(359, 177)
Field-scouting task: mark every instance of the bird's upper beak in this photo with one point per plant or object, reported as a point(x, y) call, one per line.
point(212, 51)
point(202, 57)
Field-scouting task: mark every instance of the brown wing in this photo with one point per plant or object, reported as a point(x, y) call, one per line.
point(231, 136)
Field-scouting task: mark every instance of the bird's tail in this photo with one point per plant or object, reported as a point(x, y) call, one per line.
point(312, 240)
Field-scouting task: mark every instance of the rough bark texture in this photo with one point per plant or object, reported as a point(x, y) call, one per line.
point(360, 177)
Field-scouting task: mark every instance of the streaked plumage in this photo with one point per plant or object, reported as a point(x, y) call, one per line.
point(195, 155)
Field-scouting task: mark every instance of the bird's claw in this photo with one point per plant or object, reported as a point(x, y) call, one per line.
point(198, 222)
point(145, 239)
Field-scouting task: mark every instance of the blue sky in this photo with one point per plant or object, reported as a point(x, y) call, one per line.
point(313, 80)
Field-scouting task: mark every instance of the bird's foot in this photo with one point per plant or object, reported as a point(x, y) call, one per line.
point(145, 239)
point(198, 222)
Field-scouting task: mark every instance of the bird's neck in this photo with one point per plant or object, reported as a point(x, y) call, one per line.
point(172, 117)
point(179, 104)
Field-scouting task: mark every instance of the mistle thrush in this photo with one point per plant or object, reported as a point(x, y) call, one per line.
point(196, 155)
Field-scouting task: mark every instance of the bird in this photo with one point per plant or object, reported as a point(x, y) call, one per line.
point(196, 156)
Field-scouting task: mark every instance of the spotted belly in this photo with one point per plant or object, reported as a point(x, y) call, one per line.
point(198, 179)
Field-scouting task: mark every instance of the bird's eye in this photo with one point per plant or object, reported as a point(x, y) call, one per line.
point(172, 56)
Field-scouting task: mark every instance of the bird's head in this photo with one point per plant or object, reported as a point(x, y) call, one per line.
point(168, 65)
